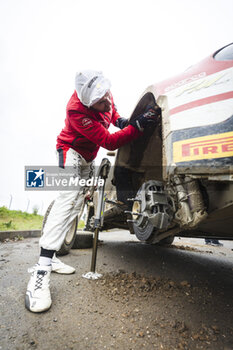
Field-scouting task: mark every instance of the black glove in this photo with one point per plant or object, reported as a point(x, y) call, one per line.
point(122, 123)
point(147, 119)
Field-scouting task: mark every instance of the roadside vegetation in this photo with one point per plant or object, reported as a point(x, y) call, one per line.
point(18, 220)
point(11, 220)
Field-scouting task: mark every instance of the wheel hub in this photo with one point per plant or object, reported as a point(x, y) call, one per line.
point(152, 210)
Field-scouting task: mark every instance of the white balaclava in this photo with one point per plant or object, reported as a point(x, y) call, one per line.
point(91, 86)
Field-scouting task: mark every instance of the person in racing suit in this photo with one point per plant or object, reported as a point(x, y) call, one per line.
point(89, 113)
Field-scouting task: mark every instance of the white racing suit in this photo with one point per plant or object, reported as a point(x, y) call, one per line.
point(67, 205)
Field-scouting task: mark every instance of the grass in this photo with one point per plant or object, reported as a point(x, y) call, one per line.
point(11, 220)
point(81, 224)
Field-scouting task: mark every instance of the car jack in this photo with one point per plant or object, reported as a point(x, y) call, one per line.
point(98, 222)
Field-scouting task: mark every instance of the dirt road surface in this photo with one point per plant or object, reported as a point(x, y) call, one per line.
point(150, 297)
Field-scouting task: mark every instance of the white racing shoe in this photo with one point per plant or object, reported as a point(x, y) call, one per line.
point(38, 297)
point(59, 267)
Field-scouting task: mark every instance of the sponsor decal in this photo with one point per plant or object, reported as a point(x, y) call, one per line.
point(205, 87)
point(206, 147)
point(86, 121)
point(203, 84)
point(185, 81)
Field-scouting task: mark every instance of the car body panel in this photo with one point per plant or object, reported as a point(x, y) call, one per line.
point(193, 138)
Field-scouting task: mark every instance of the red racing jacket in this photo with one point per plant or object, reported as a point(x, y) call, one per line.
point(86, 130)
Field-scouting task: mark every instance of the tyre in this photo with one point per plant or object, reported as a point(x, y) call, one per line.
point(83, 240)
point(69, 239)
point(70, 235)
point(145, 233)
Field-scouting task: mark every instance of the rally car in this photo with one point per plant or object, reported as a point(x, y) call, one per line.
point(177, 179)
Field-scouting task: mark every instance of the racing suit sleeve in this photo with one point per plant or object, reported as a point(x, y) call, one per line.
point(95, 132)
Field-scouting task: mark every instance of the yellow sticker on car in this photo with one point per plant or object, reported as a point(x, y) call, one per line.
point(205, 147)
